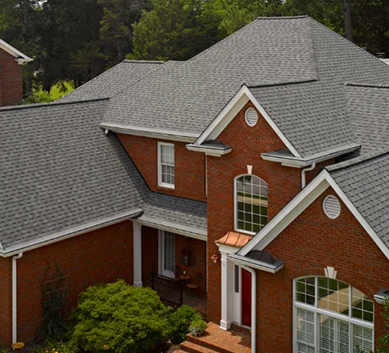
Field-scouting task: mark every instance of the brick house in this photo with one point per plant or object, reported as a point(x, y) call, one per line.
point(11, 74)
point(257, 169)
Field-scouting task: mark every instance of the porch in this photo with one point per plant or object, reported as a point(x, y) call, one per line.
point(173, 264)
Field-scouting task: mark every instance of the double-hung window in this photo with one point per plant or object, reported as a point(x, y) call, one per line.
point(331, 317)
point(166, 165)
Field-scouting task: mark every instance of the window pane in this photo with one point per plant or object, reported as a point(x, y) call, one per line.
point(363, 339)
point(169, 251)
point(333, 295)
point(305, 331)
point(251, 198)
point(363, 307)
point(305, 290)
point(167, 164)
point(334, 335)
point(236, 278)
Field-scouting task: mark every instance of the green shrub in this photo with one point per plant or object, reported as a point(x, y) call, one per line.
point(51, 346)
point(119, 318)
point(197, 327)
point(180, 321)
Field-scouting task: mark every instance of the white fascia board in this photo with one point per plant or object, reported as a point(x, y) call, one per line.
point(227, 248)
point(150, 132)
point(287, 215)
point(317, 158)
point(70, 233)
point(14, 52)
point(258, 265)
point(215, 152)
point(229, 112)
point(366, 226)
point(167, 226)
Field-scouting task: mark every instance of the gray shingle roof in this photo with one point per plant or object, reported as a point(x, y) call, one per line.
point(113, 80)
point(59, 172)
point(187, 96)
point(369, 115)
point(267, 55)
point(365, 181)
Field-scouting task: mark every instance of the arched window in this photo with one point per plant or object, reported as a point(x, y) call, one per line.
point(331, 317)
point(250, 203)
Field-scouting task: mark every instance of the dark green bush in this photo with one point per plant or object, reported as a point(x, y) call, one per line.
point(180, 321)
point(53, 346)
point(119, 318)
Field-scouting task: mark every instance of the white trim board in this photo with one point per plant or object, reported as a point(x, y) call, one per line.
point(19, 56)
point(150, 132)
point(229, 112)
point(301, 202)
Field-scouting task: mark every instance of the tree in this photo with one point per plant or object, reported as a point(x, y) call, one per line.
point(171, 30)
point(116, 26)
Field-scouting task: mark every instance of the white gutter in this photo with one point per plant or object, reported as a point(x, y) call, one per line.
point(303, 176)
point(209, 151)
point(70, 232)
point(253, 308)
point(150, 132)
point(14, 298)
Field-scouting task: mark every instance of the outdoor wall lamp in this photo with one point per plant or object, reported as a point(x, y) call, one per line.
point(214, 258)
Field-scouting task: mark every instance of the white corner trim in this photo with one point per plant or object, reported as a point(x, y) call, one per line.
point(229, 112)
point(15, 53)
point(295, 207)
point(150, 132)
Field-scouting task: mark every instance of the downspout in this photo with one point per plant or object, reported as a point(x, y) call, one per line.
point(14, 297)
point(303, 171)
point(253, 308)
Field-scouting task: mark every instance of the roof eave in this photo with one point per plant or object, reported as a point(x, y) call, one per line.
point(209, 151)
point(258, 265)
point(305, 162)
point(150, 132)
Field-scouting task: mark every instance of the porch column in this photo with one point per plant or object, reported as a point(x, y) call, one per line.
point(137, 235)
point(226, 272)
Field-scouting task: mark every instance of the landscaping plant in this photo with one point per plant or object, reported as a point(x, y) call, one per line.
point(180, 322)
point(119, 318)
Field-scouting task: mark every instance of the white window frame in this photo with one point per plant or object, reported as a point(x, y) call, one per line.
point(317, 312)
point(160, 183)
point(236, 228)
point(161, 255)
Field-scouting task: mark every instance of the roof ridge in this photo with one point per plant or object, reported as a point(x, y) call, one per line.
point(282, 17)
point(357, 160)
point(55, 103)
point(364, 84)
point(144, 61)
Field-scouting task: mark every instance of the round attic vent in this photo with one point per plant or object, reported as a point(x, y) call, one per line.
point(251, 117)
point(331, 206)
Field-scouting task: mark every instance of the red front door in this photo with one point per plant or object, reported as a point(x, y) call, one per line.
point(246, 298)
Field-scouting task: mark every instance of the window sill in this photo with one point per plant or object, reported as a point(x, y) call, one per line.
point(166, 186)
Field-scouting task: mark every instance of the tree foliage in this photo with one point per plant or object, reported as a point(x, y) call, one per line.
point(78, 39)
point(118, 318)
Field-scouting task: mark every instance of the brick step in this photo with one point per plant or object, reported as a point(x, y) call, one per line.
point(191, 347)
point(210, 346)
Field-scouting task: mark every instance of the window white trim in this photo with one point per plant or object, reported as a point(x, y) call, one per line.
point(160, 182)
point(236, 228)
point(161, 254)
point(318, 311)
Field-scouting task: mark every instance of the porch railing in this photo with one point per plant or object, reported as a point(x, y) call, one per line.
point(169, 289)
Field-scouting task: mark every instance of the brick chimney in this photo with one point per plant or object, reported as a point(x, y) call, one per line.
point(11, 74)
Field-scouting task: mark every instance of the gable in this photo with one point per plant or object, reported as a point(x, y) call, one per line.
point(302, 202)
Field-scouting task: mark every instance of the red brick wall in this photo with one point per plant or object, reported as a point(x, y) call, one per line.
point(311, 243)
point(197, 257)
point(6, 301)
point(189, 166)
point(11, 80)
point(100, 256)
point(283, 184)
